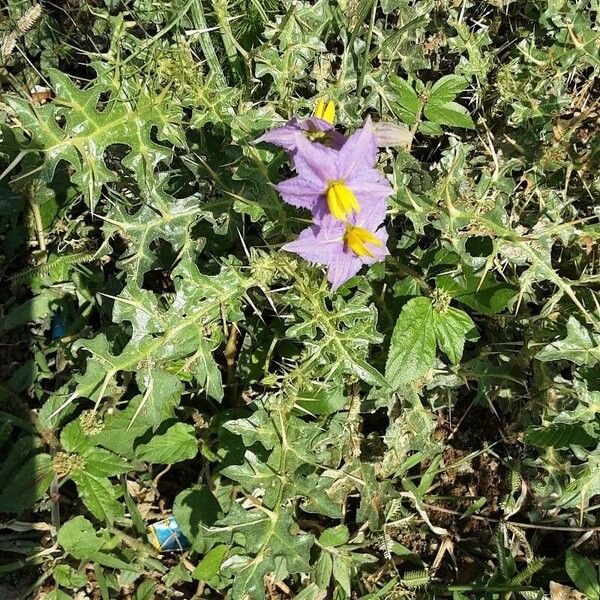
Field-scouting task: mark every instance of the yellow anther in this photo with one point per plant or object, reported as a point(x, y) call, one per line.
point(341, 200)
point(357, 238)
point(326, 112)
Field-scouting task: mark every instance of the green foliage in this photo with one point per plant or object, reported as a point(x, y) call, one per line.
point(161, 355)
point(583, 574)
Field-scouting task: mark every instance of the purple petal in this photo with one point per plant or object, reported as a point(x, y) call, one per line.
point(315, 245)
point(301, 192)
point(359, 152)
point(371, 216)
point(335, 140)
point(368, 192)
point(315, 161)
point(342, 269)
point(315, 124)
point(284, 137)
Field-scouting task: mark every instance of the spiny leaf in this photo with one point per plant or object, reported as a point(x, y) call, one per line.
point(88, 132)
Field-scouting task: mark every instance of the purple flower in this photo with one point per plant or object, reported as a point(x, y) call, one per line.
point(312, 128)
point(343, 181)
point(344, 246)
point(318, 128)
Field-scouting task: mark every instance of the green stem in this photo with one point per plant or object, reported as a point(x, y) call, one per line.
point(38, 224)
point(206, 44)
point(363, 70)
point(363, 13)
point(231, 45)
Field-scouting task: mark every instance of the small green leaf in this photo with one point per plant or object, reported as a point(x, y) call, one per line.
point(430, 128)
point(485, 295)
point(196, 509)
point(102, 463)
point(31, 310)
point(341, 573)
point(99, 495)
point(412, 348)
point(322, 398)
point(146, 590)
point(57, 595)
point(210, 565)
point(408, 103)
point(73, 439)
point(583, 574)
point(447, 88)
point(450, 113)
point(561, 435)
point(334, 536)
point(452, 327)
point(28, 484)
point(581, 346)
point(79, 539)
point(67, 576)
point(323, 570)
point(177, 444)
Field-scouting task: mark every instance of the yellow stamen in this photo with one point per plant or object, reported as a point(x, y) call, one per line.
point(356, 239)
point(341, 200)
point(325, 111)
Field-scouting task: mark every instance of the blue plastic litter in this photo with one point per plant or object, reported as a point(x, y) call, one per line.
point(165, 536)
point(58, 328)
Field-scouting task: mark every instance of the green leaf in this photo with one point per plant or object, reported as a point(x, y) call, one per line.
point(210, 566)
point(452, 327)
point(408, 103)
point(102, 463)
point(265, 539)
point(561, 435)
point(87, 132)
point(485, 295)
point(450, 113)
point(99, 495)
point(57, 595)
point(310, 592)
point(447, 88)
point(67, 576)
point(31, 310)
point(161, 216)
point(146, 590)
point(196, 510)
point(78, 537)
point(430, 128)
point(334, 536)
point(258, 427)
point(27, 485)
point(19, 452)
point(583, 574)
point(161, 393)
point(177, 444)
point(581, 346)
point(123, 431)
point(323, 570)
point(179, 333)
point(387, 6)
point(341, 572)
point(314, 489)
point(253, 474)
point(73, 438)
point(413, 344)
point(322, 398)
